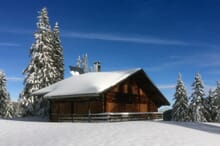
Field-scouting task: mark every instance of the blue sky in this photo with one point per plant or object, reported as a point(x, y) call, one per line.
point(162, 37)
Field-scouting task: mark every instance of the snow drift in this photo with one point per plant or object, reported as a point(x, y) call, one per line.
point(141, 133)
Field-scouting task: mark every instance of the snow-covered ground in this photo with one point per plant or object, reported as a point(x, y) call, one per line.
point(136, 133)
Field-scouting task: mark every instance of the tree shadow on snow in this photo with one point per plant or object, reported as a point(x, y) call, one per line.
point(206, 127)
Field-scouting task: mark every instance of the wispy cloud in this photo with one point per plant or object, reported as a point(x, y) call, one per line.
point(167, 86)
point(206, 60)
point(214, 72)
point(123, 38)
point(15, 79)
point(166, 65)
point(8, 44)
point(16, 31)
point(210, 60)
point(203, 60)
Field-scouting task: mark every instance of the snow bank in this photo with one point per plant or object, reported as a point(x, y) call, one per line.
point(141, 133)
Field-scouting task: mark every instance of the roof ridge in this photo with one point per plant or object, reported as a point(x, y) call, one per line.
point(125, 70)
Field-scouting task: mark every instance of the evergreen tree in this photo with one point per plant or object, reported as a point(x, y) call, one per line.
point(212, 106)
point(6, 107)
point(82, 62)
point(41, 70)
point(216, 103)
point(10, 110)
point(197, 98)
point(206, 111)
point(180, 106)
point(58, 53)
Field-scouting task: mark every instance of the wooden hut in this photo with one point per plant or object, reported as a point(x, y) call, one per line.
point(129, 91)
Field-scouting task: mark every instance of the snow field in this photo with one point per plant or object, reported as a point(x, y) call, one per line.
point(137, 133)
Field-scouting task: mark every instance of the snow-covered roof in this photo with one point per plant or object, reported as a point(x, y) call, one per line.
point(95, 83)
point(92, 84)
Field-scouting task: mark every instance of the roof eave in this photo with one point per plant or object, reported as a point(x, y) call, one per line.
point(72, 96)
point(161, 97)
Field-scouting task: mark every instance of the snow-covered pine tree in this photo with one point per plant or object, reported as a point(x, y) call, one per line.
point(82, 62)
point(196, 106)
point(180, 106)
point(6, 107)
point(10, 110)
point(58, 53)
point(212, 106)
point(207, 112)
point(85, 63)
point(216, 103)
point(78, 62)
point(41, 70)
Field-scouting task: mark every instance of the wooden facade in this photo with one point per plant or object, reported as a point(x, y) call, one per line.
point(128, 96)
point(132, 95)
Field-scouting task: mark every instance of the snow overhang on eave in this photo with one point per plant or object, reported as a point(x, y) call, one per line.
point(72, 96)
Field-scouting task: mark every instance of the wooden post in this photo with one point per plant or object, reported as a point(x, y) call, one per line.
point(103, 103)
point(139, 99)
point(58, 113)
point(50, 111)
point(89, 110)
point(72, 106)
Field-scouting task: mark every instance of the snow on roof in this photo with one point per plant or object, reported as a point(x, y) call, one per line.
point(92, 83)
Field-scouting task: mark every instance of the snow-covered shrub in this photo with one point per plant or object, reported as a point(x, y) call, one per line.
point(167, 115)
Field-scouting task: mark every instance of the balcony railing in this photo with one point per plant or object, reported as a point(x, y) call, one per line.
point(111, 117)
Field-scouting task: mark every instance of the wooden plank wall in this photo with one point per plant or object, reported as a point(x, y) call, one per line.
point(74, 107)
point(129, 97)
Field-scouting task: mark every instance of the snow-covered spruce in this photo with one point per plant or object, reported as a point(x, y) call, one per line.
point(58, 53)
point(82, 62)
point(197, 110)
point(180, 106)
point(212, 106)
point(216, 103)
point(42, 69)
point(6, 107)
point(207, 112)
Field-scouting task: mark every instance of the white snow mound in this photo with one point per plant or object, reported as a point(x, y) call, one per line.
point(138, 133)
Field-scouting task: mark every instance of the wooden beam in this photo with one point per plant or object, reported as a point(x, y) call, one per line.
point(89, 110)
point(103, 103)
